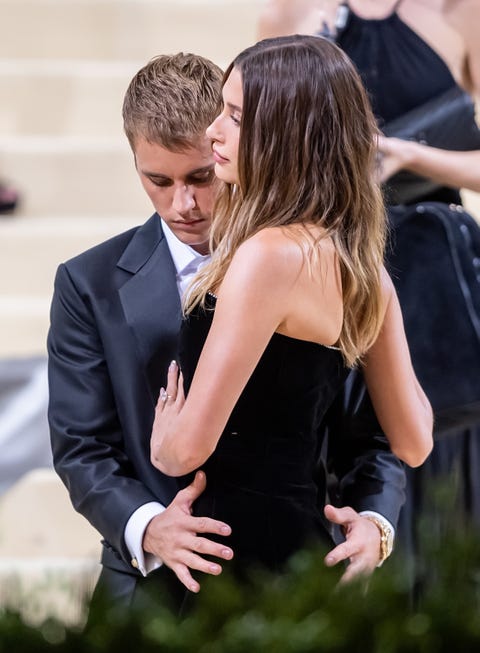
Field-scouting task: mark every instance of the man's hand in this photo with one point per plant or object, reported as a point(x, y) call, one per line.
point(173, 536)
point(361, 546)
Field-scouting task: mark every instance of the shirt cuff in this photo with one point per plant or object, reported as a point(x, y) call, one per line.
point(134, 532)
point(380, 518)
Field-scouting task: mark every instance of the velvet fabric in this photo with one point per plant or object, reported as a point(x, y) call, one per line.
point(261, 476)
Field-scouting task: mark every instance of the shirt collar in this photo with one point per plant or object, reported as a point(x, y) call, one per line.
point(182, 254)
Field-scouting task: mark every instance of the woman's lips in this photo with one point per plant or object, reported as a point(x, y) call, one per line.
point(218, 158)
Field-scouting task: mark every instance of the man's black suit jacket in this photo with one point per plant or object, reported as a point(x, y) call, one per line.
point(115, 318)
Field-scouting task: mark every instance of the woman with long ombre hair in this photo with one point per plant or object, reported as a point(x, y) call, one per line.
point(295, 293)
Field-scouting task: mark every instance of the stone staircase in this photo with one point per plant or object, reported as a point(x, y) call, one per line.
point(64, 68)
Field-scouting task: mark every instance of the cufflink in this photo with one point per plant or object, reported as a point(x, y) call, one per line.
point(134, 563)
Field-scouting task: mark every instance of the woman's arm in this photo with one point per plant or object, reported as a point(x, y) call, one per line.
point(401, 406)
point(283, 17)
point(455, 169)
point(252, 303)
point(464, 17)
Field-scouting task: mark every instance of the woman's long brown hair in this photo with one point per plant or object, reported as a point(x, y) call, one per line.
point(306, 156)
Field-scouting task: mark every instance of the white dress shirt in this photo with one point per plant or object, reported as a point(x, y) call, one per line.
point(187, 261)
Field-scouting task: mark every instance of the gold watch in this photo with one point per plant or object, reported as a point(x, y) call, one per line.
point(386, 537)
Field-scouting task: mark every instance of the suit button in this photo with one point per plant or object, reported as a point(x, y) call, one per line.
point(134, 563)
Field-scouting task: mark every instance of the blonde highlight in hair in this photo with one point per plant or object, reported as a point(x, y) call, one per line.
point(306, 155)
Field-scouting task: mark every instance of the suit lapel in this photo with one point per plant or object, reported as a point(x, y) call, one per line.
point(150, 301)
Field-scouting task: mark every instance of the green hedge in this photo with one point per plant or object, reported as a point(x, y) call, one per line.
point(303, 611)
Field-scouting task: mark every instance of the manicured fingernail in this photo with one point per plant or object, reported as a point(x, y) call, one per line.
point(172, 365)
point(215, 569)
point(329, 561)
point(225, 530)
point(227, 553)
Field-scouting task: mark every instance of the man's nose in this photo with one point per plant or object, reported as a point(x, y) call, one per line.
point(183, 199)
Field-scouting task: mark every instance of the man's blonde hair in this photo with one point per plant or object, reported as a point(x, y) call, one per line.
point(172, 100)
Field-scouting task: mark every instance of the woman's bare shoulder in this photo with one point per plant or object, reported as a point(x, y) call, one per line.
point(273, 241)
point(386, 281)
point(388, 289)
point(272, 250)
point(288, 245)
point(464, 17)
point(268, 260)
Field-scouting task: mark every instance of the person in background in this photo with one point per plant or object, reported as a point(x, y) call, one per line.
point(443, 50)
point(8, 198)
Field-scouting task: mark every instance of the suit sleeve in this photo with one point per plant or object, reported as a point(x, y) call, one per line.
point(363, 472)
point(86, 435)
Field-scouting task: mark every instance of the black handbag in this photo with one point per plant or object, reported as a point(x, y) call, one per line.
point(446, 122)
point(434, 261)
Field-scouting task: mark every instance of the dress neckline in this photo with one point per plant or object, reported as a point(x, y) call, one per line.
point(390, 16)
point(283, 335)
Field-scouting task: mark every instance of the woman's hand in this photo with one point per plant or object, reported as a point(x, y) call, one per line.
point(169, 405)
point(391, 156)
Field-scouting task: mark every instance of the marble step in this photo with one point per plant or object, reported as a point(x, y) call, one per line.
point(63, 97)
point(30, 252)
point(74, 175)
point(32, 248)
point(49, 554)
point(23, 327)
point(125, 29)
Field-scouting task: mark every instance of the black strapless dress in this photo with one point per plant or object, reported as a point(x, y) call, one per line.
point(261, 477)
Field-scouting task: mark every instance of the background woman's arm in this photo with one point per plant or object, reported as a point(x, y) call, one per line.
point(455, 169)
point(283, 17)
point(464, 17)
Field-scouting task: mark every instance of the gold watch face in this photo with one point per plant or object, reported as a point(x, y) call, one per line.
point(386, 537)
point(388, 541)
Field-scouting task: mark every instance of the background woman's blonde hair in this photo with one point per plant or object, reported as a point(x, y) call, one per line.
point(306, 155)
